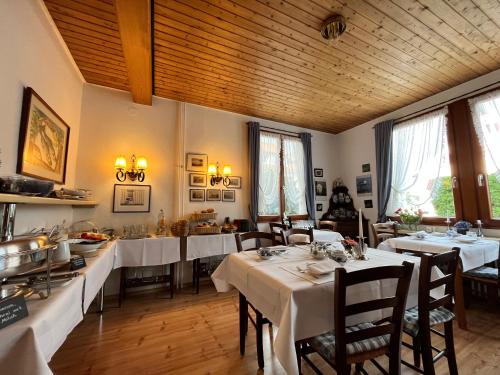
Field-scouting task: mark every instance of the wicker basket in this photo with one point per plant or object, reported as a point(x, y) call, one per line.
point(198, 216)
point(207, 230)
point(180, 228)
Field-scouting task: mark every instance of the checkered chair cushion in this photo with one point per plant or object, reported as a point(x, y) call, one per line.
point(484, 272)
point(325, 343)
point(437, 316)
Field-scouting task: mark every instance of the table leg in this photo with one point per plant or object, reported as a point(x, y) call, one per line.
point(172, 279)
point(100, 300)
point(121, 294)
point(459, 298)
point(196, 275)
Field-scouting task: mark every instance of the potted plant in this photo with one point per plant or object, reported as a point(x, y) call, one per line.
point(410, 216)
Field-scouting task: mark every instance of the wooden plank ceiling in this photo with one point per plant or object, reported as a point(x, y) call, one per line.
point(266, 58)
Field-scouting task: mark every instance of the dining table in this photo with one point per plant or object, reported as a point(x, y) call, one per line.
point(302, 305)
point(474, 252)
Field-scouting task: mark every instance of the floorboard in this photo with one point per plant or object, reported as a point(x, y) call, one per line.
point(198, 334)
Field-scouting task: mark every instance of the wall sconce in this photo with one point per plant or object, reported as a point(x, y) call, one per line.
point(216, 176)
point(135, 172)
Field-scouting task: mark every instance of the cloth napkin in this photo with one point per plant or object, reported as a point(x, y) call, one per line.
point(293, 238)
point(323, 267)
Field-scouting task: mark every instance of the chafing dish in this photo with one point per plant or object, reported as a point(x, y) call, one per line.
point(20, 256)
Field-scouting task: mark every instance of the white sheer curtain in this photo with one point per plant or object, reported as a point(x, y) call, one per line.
point(486, 117)
point(269, 171)
point(294, 176)
point(420, 158)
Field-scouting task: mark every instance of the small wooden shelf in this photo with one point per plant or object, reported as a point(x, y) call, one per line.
point(23, 199)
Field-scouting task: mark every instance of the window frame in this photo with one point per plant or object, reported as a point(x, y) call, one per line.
point(271, 218)
point(471, 201)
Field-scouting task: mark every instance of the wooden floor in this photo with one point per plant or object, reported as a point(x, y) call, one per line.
point(198, 334)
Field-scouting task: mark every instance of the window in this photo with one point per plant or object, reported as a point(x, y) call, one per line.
point(281, 177)
point(485, 111)
point(421, 172)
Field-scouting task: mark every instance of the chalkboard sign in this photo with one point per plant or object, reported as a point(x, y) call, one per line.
point(12, 310)
point(77, 262)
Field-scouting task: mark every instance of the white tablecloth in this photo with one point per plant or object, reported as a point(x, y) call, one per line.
point(472, 255)
point(203, 246)
point(327, 235)
point(147, 252)
point(298, 306)
point(97, 271)
point(29, 344)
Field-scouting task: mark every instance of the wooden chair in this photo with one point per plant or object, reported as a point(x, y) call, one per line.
point(420, 320)
point(328, 225)
point(277, 228)
point(365, 341)
point(260, 320)
point(300, 236)
point(383, 231)
point(488, 276)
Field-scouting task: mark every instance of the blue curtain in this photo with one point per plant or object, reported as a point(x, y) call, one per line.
point(308, 169)
point(254, 153)
point(383, 153)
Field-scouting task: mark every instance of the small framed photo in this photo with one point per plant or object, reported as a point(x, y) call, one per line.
point(320, 189)
point(365, 168)
point(319, 207)
point(234, 182)
point(228, 195)
point(198, 179)
point(131, 198)
point(197, 195)
point(318, 172)
point(368, 203)
point(196, 162)
point(43, 140)
point(213, 195)
point(364, 184)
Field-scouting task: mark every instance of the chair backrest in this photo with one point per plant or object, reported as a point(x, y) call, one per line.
point(383, 231)
point(391, 325)
point(447, 263)
point(306, 232)
point(257, 236)
point(328, 225)
point(278, 228)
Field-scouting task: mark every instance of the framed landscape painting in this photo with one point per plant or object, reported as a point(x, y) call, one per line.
point(43, 140)
point(197, 195)
point(213, 195)
point(234, 182)
point(197, 179)
point(131, 198)
point(196, 162)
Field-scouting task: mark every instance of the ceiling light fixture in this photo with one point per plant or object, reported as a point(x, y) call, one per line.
point(333, 27)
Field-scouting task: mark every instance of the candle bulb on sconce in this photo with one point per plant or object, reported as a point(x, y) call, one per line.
point(135, 172)
point(217, 177)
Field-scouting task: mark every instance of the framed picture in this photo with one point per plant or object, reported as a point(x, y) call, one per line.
point(320, 189)
point(197, 195)
point(213, 194)
point(43, 140)
point(365, 168)
point(234, 182)
point(132, 198)
point(228, 195)
point(198, 179)
point(319, 207)
point(318, 172)
point(197, 162)
point(368, 203)
point(364, 184)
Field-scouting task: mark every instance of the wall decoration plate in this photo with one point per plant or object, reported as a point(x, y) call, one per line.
point(43, 140)
point(196, 162)
point(132, 198)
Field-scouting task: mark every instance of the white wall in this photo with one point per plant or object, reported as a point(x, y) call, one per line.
point(112, 125)
point(357, 146)
point(32, 54)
